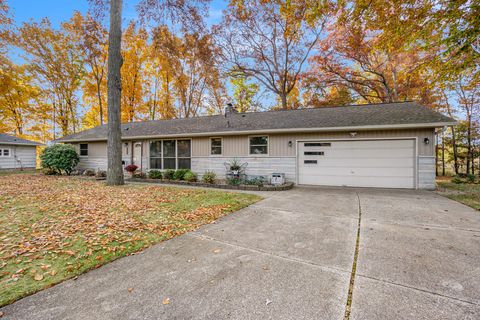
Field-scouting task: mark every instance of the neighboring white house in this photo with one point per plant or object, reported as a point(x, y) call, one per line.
point(17, 153)
point(390, 145)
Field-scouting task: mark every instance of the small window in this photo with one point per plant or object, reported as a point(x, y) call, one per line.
point(259, 145)
point(310, 161)
point(318, 144)
point(216, 146)
point(314, 153)
point(4, 152)
point(84, 149)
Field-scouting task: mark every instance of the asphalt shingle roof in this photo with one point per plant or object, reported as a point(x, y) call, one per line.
point(8, 139)
point(335, 118)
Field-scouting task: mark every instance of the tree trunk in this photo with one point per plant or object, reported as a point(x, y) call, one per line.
point(283, 96)
point(99, 96)
point(436, 155)
point(455, 151)
point(114, 83)
point(443, 152)
point(469, 146)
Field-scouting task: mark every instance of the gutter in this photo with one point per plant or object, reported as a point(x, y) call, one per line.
point(289, 130)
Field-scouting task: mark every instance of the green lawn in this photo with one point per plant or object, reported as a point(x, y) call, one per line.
point(467, 193)
point(54, 228)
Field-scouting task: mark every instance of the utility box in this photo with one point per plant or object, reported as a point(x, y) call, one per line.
point(277, 178)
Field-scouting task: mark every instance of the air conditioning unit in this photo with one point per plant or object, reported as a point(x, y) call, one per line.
point(277, 178)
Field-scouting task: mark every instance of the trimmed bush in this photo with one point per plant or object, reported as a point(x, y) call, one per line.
point(168, 174)
point(180, 174)
point(234, 181)
point(209, 177)
point(190, 176)
point(101, 174)
point(61, 158)
point(49, 172)
point(256, 181)
point(155, 174)
point(139, 175)
point(89, 172)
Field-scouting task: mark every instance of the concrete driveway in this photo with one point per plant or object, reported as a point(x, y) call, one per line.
point(291, 256)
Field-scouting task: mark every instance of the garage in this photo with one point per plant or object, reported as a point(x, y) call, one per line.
point(388, 163)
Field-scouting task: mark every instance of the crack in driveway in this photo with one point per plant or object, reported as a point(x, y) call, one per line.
point(348, 306)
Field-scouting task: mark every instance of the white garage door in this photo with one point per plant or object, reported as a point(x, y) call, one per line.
point(357, 163)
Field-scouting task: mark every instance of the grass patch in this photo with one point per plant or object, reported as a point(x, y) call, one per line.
point(55, 228)
point(466, 193)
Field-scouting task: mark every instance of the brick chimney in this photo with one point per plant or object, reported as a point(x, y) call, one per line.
point(230, 109)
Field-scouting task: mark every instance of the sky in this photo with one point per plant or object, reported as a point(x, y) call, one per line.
point(61, 10)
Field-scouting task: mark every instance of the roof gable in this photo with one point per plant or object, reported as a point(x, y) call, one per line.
point(12, 140)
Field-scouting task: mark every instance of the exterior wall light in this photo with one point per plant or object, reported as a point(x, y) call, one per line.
point(353, 134)
point(426, 141)
point(290, 143)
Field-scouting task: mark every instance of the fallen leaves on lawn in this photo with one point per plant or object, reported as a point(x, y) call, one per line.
point(55, 226)
point(96, 213)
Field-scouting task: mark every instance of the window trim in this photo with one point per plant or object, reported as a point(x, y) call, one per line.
point(162, 158)
point(221, 146)
point(80, 149)
point(2, 152)
point(259, 154)
point(177, 158)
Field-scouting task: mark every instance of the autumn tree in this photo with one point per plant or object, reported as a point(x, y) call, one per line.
point(57, 64)
point(270, 41)
point(91, 38)
point(191, 69)
point(245, 94)
point(17, 98)
point(368, 50)
point(458, 24)
point(5, 23)
point(135, 55)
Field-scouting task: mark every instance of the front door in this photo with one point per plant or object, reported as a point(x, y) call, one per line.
point(137, 154)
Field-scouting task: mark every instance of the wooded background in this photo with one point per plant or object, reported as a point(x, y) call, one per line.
point(264, 54)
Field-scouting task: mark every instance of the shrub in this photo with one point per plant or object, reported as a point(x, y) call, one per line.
point(131, 168)
point(209, 177)
point(101, 174)
point(457, 180)
point(256, 181)
point(471, 178)
point(62, 158)
point(190, 176)
point(168, 174)
point(139, 175)
point(49, 172)
point(155, 174)
point(234, 181)
point(180, 174)
point(89, 172)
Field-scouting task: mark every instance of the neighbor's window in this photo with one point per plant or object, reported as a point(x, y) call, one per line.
point(259, 145)
point(84, 149)
point(4, 152)
point(215, 146)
